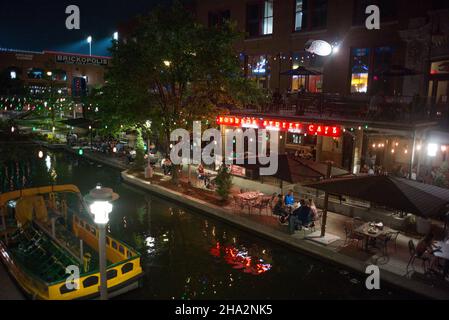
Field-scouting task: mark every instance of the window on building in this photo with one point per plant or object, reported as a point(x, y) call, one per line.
point(259, 18)
point(310, 14)
point(388, 10)
point(268, 17)
point(359, 70)
point(59, 75)
point(319, 14)
point(35, 73)
point(218, 18)
point(258, 69)
point(299, 15)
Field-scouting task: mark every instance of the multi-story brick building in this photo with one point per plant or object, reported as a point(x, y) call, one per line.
point(413, 38)
point(276, 33)
point(35, 70)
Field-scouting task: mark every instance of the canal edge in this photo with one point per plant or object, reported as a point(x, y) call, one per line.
point(304, 247)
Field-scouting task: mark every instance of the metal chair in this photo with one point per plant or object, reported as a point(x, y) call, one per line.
point(414, 256)
point(262, 203)
point(351, 236)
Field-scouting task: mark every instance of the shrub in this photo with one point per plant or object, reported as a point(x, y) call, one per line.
point(223, 182)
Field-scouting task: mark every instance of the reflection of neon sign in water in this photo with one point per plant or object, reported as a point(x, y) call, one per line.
point(240, 259)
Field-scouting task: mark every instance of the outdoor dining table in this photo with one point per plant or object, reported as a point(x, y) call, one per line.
point(371, 232)
point(248, 198)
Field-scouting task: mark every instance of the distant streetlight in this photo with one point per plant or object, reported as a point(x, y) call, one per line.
point(167, 63)
point(89, 41)
point(115, 36)
point(49, 73)
point(100, 206)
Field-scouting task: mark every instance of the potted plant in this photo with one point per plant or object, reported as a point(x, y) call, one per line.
point(223, 183)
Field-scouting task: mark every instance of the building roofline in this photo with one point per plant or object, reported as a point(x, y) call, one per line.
point(12, 50)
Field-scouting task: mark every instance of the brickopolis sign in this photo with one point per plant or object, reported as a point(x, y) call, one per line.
point(73, 59)
point(280, 125)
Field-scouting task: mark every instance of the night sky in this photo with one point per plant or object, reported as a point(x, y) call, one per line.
point(40, 25)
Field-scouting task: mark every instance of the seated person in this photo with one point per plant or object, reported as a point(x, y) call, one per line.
point(300, 217)
point(201, 173)
point(289, 199)
point(279, 208)
point(313, 210)
point(425, 245)
point(166, 166)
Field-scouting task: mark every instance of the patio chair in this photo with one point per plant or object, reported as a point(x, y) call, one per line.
point(414, 256)
point(263, 203)
point(351, 236)
point(237, 202)
point(357, 222)
point(388, 238)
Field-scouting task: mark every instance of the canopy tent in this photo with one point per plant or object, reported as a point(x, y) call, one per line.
point(401, 194)
point(301, 71)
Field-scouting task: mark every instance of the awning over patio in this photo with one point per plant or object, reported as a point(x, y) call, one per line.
point(397, 193)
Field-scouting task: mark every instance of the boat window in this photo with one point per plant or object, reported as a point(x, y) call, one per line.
point(121, 249)
point(63, 289)
point(108, 242)
point(114, 245)
point(129, 254)
point(111, 274)
point(127, 267)
point(91, 281)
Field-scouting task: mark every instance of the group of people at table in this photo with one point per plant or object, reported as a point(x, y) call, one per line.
point(427, 249)
point(298, 215)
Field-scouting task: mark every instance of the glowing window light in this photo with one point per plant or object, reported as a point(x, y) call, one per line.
point(432, 149)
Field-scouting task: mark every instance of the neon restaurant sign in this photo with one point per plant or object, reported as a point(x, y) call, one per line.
point(280, 125)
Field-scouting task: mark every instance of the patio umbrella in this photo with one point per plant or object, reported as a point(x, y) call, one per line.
point(401, 194)
point(301, 71)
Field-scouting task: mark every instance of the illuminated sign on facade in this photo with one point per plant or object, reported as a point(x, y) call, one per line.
point(71, 59)
point(280, 125)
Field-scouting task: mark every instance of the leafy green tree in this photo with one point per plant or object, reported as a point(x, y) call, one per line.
point(442, 175)
point(173, 71)
point(223, 182)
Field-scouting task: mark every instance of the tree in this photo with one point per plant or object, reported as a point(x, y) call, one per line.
point(442, 175)
point(223, 182)
point(173, 71)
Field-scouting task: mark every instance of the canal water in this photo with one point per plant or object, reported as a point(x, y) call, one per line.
point(186, 255)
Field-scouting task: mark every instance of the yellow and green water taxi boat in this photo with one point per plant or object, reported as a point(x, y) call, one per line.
point(49, 244)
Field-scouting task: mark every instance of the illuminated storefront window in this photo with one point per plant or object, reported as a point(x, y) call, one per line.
point(259, 70)
point(360, 70)
point(313, 83)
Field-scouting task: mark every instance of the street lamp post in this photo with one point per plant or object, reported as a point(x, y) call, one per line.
point(89, 41)
point(100, 206)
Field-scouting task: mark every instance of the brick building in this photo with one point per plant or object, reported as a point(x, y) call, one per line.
point(35, 70)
